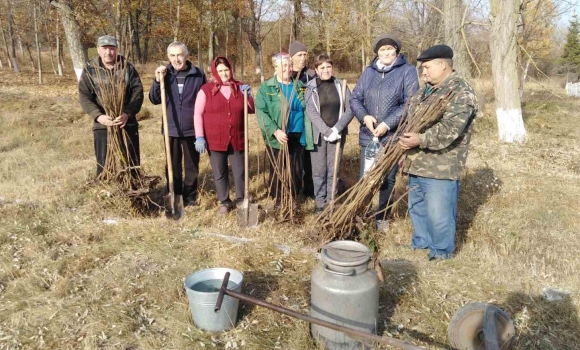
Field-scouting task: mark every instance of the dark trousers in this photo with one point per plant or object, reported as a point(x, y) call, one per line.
point(295, 150)
point(308, 181)
point(219, 166)
point(385, 191)
point(183, 151)
point(100, 143)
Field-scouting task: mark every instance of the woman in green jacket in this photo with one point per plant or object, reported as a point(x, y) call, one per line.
point(280, 111)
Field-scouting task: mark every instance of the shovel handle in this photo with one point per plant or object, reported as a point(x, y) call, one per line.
point(166, 132)
point(338, 147)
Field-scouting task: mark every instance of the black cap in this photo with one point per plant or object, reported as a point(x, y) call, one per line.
point(437, 51)
point(386, 39)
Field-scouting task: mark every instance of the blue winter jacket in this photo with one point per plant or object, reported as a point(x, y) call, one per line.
point(383, 94)
point(179, 110)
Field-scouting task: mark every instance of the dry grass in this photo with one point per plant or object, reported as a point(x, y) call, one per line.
point(70, 281)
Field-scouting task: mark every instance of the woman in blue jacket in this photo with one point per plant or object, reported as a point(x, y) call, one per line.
point(378, 101)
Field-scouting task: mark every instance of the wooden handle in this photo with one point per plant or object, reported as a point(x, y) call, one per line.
point(246, 150)
point(338, 147)
point(166, 132)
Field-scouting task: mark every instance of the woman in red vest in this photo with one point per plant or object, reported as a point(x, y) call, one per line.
point(219, 127)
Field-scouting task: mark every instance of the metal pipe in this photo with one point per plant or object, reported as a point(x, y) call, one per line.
point(349, 331)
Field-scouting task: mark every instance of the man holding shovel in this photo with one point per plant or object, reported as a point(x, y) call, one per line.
point(182, 81)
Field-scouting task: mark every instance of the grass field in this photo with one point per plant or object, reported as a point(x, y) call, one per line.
point(80, 270)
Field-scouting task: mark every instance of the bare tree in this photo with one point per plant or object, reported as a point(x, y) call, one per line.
point(177, 19)
point(297, 19)
point(454, 20)
point(5, 44)
point(11, 48)
point(256, 32)
point(35, 12)
point(78, 52)
point(503, 48)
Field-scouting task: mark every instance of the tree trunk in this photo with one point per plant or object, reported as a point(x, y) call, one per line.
point(147, 33)
point(453, 24)
point(78, 52)
point(37, 44)
point(297, 19)
point(12, 49)
point(210, 44)
point(30, 56)
point(59, 55)
point(241, 49)
point(135, 34)
point(118, 22)
point(227, 32)
point(503, 48)
point(177, 15)
point(47, 31)
point(523, 78)
point(261, 62)
point(5, 44)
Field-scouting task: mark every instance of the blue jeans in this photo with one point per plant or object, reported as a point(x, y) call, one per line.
point(433, 209)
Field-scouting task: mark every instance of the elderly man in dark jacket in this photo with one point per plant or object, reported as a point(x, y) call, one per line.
point(183, 81)
point(109, 60)
point(378, 101)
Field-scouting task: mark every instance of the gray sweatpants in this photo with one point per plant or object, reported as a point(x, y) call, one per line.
point(322, 160)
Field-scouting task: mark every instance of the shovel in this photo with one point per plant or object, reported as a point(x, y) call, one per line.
point(247, 213)
point(337, 155)
point(173, 203)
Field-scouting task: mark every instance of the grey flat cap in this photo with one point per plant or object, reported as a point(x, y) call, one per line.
point(107, 40)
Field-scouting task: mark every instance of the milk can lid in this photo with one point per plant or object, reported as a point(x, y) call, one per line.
point(345, 253)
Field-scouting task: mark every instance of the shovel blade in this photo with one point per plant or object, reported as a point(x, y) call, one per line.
point(248, 215)
point(178, 214)
point(169, 201)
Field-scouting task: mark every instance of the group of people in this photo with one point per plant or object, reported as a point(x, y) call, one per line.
point(309, 111)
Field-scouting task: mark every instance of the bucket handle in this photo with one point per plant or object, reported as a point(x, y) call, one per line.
point(350, 273)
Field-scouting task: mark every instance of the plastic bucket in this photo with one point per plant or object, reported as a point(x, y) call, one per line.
point(202, 290)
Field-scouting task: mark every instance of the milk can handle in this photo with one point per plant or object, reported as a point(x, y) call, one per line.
point(350, 273)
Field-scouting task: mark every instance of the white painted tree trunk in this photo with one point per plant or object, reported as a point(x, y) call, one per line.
point(73, 34)
point(502, 44)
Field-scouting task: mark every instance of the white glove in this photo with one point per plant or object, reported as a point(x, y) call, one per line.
point(333, 136)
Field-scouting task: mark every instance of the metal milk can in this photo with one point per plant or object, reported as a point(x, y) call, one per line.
point(344, 291)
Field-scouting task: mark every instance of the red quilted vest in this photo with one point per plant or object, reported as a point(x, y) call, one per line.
point(223, 120)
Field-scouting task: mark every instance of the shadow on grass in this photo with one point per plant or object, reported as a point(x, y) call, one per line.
point(256, 285)
point(475, 189)
point(399, 276)
point(541, 324)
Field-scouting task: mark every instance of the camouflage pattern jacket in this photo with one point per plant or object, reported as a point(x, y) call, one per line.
point(443, 147)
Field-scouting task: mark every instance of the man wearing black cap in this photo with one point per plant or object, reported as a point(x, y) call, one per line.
point(109, 59)
point(299, 56)
point(436, 157)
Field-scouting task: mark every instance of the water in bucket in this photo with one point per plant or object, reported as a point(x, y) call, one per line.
point(202, 289)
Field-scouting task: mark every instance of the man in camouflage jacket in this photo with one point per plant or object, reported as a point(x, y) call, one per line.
point(436, 157)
